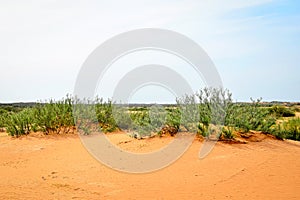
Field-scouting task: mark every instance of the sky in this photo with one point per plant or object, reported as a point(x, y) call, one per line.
point(254, 44)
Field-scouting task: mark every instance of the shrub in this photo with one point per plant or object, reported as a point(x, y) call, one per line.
point(3, 117)
point(122, 117)
point(104, 112)
point(173, 118)
point(19, 123)
point(54, 116)
point(289, 129)
point(295, 108)
point(201, 110)
point(189, 112)
point(47, 117)
point(213, 106)
point(141, 123)
point(249, 116)
point(282, 111)
point(227, 132)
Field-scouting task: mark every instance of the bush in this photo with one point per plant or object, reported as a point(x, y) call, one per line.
point(281, 111)
point(141, 123)
point(173, 118)
point(122, 117)
point(54, 116)
point(3, 117)
point(289, 129)
point(48, 117)
point(227, 132)
point(201, 110)
point(249, 116)
point(104, 112)
point(189, 112)
point(295, 108)
point(19, 123)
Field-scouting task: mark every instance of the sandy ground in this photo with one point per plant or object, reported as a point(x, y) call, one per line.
point(52, 167)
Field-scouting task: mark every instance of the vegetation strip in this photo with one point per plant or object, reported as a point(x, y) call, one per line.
point(209, 112)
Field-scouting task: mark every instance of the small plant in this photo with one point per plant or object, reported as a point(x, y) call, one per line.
point(227, 132)
point(141, 123)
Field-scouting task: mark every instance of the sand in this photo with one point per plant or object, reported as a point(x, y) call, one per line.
point(59, 167)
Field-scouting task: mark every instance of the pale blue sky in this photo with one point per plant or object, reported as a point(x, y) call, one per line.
point(254, 44)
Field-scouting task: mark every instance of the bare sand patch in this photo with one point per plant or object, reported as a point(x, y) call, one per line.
point(59, 167)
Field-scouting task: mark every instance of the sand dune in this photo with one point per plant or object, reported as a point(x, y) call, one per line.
point(59, 167)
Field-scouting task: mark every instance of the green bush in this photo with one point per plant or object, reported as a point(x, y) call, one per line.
point(122, 117)
point(201, 110)
point(141, 123)
point(249, 116)
point(227, 132)
point(54, 116)
point(3, 117)
point(189, 112)
point(48, 117)
point(289, 129)
point(19, 123)
point(10, 109)
point(282, 111)
point(104, 112)
point(173, 118)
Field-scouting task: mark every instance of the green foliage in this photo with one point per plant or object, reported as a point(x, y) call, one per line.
point(19, 123)
point(289, 129)
point(54, 116)
point(48, 117)
point(203, 129)
point(208, 112)
point(249, 116)
point(104, 112)
point(10, 109)
point(122, 117)
point(282, 111)
point(3, 117)
point(141, 123)
point(157, 116)
point(3, 111)
point(227, 132)
point(201, 110)
point(173, 118)
point(295, 108)
point(189, 112)
point(213, 106)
